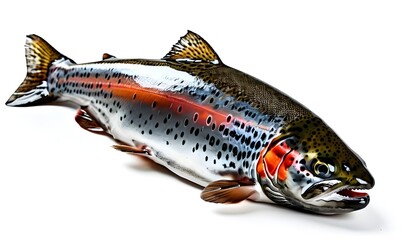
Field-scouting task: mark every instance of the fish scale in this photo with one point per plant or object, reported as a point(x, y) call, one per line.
point(216, 126)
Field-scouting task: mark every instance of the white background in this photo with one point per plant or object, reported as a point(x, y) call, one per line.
point(354, 63)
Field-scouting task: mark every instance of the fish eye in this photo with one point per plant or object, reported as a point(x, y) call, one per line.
point(322, 169)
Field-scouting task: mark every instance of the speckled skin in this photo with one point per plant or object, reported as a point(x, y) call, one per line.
point(221, 134)
point(205, 121)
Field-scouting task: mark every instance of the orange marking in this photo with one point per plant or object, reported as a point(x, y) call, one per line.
point(279, 156)
point(130, 90)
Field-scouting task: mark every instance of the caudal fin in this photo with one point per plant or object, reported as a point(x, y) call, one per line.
point(40, 56)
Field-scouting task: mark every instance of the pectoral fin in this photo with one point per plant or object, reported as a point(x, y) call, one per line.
point(229, 191)
point(89, 123)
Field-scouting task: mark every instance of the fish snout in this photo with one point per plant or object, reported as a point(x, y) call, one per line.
point(366, 180)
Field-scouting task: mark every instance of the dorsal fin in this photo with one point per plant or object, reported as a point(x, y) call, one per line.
point(192, 48)
point(106, 56)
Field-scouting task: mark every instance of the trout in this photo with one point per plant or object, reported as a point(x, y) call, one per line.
point(234, 135)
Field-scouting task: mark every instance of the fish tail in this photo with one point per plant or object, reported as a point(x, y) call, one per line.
point(40, 56)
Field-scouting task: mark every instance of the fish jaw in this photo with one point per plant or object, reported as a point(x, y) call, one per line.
point(332, 197)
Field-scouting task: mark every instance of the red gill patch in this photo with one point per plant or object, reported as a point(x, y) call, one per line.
point(278, 157)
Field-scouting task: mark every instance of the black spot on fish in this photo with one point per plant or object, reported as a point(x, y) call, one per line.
point(258, 145)
point(226, 132)
point(235, 151)
point(228, 118)
point(211, 141)
point(224, 146)
point(208, 120)
point(237, 123)
point(263, 136)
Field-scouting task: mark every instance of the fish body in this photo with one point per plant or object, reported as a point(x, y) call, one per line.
point(216, 126)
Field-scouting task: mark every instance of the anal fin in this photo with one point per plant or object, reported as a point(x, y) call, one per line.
point(229, 191)
point(89, 123)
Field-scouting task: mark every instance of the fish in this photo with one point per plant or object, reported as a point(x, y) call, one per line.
point(233, 135)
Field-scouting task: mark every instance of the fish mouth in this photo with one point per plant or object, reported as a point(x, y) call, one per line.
point(335, 196)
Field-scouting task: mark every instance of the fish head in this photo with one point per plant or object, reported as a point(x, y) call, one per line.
point(309, 167)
